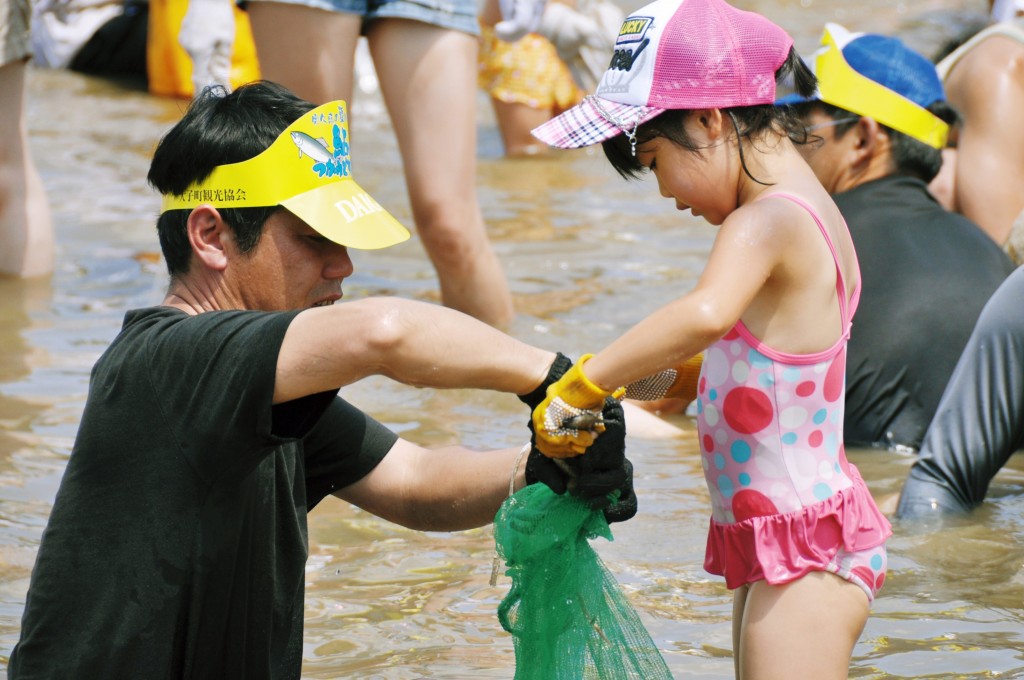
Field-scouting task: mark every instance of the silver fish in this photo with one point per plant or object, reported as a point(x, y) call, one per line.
point(314, 148)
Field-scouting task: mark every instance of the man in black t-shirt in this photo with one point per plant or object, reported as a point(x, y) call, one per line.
point(875, 132)
point(177, 543)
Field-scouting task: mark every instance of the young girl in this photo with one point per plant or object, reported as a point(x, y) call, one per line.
point(793, 529)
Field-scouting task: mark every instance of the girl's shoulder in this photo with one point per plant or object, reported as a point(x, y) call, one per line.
point(774, 214)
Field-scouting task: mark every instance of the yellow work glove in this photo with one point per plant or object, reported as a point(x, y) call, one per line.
point(672, 383)
point(567, 421)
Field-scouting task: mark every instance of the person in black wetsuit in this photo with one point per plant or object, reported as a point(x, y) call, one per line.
point(876, 128)
point(177, 543)
point(980, 420)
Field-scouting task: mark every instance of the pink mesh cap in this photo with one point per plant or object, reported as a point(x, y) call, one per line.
point(676, 54)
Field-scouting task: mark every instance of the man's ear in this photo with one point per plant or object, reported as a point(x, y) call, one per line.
point(870, 140)
point(207, 233)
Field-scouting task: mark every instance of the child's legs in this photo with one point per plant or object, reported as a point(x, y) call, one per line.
point(803, 629)
point(515, 121)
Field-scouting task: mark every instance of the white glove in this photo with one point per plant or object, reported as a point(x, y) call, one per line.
point(208, 35)
point(569, 31)
point(519, 17)
point(583, 37)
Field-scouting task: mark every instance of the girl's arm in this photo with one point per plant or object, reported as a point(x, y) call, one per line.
point(746, 252)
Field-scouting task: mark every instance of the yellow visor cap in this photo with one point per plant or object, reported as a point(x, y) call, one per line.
point(308, 170)
point(839, 84)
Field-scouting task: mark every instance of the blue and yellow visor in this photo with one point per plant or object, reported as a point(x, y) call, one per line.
point(307, 170)
point(841, 85)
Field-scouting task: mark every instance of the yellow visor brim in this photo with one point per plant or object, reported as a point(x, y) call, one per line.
point(840, 85)
point(346, 214)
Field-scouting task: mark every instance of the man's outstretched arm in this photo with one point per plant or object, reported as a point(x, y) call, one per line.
point(415, 343)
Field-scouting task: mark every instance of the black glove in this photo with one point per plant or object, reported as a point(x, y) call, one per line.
point(540, 468)
point(559, 366)
point(604, 468)
point(596, 474)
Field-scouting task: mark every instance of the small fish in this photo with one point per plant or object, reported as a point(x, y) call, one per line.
point(314, 148)
point(582, 421)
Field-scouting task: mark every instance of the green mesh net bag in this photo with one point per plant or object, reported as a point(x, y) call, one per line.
point(568, 618)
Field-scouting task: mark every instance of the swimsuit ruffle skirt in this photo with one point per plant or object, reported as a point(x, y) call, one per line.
point(782, 548)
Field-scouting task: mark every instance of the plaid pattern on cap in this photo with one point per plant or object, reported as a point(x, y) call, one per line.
point(590, 122)
point(676, 54)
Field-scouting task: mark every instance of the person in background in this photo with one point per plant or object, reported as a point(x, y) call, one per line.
point(26, 226)
point(983, 176)
point(979, 423)
point(526, 81)
point(689, 96)
point(876, 126)
point(96, 37)
point(533, 76)
point(426, 61)
point(145, 45)
point(177, 542)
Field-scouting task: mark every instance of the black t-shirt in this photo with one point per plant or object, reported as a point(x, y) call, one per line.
point(177, 543)
point(926, 274)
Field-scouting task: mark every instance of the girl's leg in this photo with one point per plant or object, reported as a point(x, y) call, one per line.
point(803, 629)
point(310, 51)
point(739, 602)
point(428, 79)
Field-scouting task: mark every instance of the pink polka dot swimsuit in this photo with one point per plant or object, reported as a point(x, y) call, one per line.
point(785, 501)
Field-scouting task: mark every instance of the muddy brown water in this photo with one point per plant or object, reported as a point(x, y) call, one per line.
point(587, 255)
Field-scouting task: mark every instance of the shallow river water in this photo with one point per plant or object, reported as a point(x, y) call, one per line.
point(586, 255)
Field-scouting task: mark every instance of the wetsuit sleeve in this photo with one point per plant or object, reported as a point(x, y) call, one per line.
point(980, 420)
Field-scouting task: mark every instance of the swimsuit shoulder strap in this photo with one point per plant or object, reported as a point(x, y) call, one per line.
point(846, 310)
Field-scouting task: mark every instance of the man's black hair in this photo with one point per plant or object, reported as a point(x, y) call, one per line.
point(749, 121)
point(219, 128)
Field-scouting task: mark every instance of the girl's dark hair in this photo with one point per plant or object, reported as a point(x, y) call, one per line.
point(749, 121)
point(219, 128)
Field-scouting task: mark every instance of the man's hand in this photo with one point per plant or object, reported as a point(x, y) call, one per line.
point(540, 468)
point(603, 477)
point(572, 398)
point(519, 17)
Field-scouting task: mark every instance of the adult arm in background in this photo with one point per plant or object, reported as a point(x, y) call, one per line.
point(986, 86)
point(980, 420)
